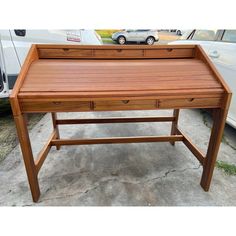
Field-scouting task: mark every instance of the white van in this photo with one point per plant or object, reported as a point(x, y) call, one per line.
point(14, 46)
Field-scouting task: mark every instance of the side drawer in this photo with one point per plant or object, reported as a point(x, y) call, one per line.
point(169, 53)
point(54, 106)
point(125, 105)
point(189, 103)
point(65, 53)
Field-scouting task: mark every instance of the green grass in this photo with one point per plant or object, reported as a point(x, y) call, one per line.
point(110, 41)
point(106, 33)
point(229, 169)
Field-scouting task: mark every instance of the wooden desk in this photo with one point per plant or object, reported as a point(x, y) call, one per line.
point(62, 78)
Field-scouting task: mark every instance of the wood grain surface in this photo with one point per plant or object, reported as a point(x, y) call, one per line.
point(60, 75)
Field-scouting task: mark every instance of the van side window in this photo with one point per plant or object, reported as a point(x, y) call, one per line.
point(229, 36)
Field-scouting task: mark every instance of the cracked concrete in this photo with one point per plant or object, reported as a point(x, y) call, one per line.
point(146, 174)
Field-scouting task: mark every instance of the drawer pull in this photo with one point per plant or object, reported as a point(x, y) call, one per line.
point(191, 99)
point(125, 101)
point(56, 103)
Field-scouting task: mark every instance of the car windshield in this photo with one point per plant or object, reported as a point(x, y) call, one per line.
point(142, 30)
point(137, 30)
point(186, 34)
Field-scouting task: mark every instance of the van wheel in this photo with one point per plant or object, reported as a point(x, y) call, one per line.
point(121, 40)
point(150, 40)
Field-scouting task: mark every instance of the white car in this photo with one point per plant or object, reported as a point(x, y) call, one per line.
point(140, 35)
point(14, 46)
point(220, 46)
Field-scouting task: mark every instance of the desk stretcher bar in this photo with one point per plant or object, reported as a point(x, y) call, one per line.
point(72, 78)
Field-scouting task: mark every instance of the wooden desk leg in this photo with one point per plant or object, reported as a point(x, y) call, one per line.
point(174, 124)
point(55, 126)
point(27, 156)
point(219, 117)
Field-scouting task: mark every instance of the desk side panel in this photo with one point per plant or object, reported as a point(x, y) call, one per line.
point(32, 56)
point(200, 54)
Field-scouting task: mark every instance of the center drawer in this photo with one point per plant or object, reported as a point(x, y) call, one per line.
point(125, 105)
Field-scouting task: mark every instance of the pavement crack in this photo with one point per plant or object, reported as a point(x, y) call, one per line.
point(171, 171)
point(118, 179)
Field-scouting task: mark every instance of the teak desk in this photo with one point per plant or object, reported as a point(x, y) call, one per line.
point(65, 78)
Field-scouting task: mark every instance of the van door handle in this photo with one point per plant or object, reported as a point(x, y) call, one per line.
point(20, 32)
point(214, 54)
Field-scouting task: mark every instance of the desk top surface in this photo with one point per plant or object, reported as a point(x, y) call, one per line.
point(124, 76)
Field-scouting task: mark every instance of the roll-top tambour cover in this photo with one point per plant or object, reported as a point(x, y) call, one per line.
point(115, 77)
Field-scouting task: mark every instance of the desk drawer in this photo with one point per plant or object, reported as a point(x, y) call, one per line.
point(189, 103)
point(118, 53)
point(125, 105)
point(55, 106)
point(65, 53)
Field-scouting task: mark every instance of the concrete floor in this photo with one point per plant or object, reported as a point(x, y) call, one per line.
point(148, 174)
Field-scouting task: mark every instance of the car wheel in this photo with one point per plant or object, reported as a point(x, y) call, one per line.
point(150, 41)
point(121, 40)
point(178, 32)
